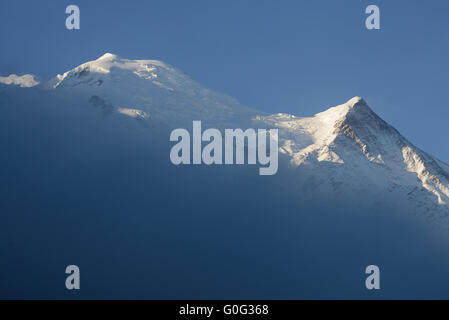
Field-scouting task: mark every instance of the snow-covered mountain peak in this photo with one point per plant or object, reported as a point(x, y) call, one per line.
point(108, 55)
point(354, 101)
point(151, 87)
point(351, 126)
point(93, 72)
point(350, 143)
point(323, 127)
point(354, 105)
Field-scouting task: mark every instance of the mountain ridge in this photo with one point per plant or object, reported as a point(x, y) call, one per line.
point(346, 147)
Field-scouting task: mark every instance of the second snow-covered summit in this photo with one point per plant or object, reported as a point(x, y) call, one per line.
point(152, 87)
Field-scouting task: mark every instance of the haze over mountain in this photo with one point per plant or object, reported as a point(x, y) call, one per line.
point(86, 178)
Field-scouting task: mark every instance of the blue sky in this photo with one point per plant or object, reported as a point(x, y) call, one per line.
point(297, 56)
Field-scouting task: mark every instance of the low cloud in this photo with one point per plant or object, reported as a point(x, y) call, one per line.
point(24, 81)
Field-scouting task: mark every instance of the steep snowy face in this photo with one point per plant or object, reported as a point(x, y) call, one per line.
point(380, 143)
point(147, 87)
point(350, 146)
